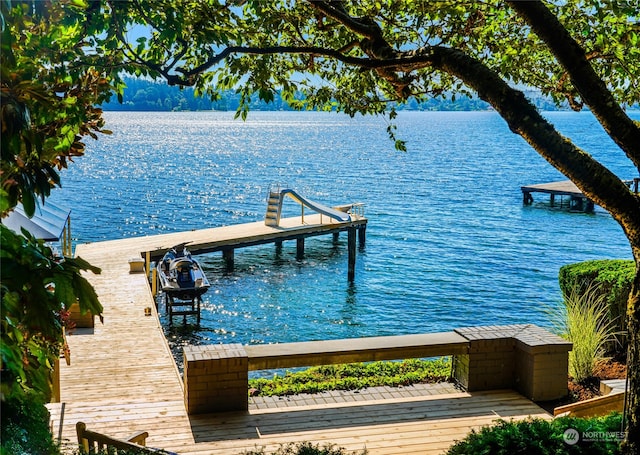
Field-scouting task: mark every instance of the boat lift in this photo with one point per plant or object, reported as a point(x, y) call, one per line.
point(182, 280)
point(175, 306)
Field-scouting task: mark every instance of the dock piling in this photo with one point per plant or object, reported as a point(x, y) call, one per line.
point(351, 239)
point(228, 256)
point(362, 235)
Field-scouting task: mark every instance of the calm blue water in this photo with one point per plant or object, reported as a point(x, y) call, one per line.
point(449, 242)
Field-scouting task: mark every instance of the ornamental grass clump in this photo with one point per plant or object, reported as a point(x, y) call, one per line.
point(584, 320)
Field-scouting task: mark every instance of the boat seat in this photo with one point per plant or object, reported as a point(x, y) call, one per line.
point(184, 277)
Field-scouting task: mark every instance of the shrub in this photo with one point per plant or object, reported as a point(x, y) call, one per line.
point(613, 279)
point(544, 437)
point(25, 427)
point(305, 448)
point(584, 321)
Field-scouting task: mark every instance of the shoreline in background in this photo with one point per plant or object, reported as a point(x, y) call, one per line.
point(145, 95)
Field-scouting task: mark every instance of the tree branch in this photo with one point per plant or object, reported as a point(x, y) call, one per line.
point(596, 181)
point(592, 89)
point(373, 43)
point(413, 61)
point(336, 11)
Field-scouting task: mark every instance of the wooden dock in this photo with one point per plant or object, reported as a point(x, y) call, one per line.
point(577, 200)
point(123, 379)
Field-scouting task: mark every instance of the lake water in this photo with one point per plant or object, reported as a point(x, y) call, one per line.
point(449, 242)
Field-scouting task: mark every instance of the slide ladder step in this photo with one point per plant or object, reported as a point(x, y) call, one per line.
point(272, 216)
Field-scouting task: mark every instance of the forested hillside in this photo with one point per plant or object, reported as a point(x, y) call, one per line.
point(145, 95)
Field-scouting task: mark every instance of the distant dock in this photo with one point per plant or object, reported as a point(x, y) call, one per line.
point(577, 200)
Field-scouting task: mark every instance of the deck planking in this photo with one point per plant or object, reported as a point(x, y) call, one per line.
point(389, 426)
point(122, 379)
point(563, 188)
point(232, 236)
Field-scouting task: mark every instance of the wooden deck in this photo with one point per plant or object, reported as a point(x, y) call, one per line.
point(123, 379)
point(577, 200)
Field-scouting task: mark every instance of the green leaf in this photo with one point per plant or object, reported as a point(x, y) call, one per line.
point(64, 291)
point(28, 202)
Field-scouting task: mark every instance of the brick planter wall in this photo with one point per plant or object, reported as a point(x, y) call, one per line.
point(523, 357)
point(542, 365)
point(216, 378)
point(489, 364)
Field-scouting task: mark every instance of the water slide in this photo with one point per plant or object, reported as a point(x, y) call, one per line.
point(315, 206)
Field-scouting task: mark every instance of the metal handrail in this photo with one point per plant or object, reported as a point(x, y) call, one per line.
point(357, 209)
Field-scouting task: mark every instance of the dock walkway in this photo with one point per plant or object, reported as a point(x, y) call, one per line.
point(123, 379)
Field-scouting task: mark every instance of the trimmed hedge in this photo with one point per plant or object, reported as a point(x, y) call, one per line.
point(561, 436)
point(611, 277)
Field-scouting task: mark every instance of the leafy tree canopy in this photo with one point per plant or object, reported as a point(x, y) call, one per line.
point(50, 86)
point(358, 55)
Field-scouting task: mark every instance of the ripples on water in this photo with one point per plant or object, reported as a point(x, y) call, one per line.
point(449, 242)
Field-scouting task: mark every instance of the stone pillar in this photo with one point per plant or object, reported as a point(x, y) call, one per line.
point(216, 378)
point(490, 362)
point(300, 248)
point(523, 357)
point(81, 320)
point(542, 365)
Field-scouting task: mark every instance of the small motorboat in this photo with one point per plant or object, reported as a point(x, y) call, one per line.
point(180, 276)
